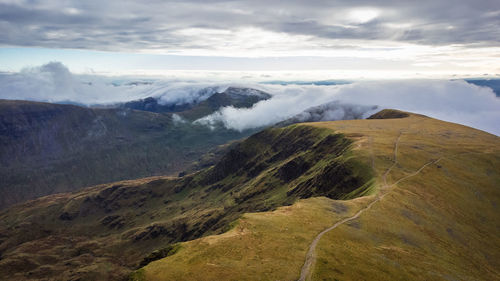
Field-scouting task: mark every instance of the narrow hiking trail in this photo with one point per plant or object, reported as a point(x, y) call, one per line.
point(311, 256)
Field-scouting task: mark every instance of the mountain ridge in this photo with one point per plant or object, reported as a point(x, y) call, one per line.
point(121, 225)
point(432, 215)
point(225, 221)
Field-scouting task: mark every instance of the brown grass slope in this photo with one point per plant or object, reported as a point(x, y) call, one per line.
point(105, 232)
point(434, 215)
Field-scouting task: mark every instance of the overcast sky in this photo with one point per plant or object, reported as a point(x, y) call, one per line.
point(428, 37)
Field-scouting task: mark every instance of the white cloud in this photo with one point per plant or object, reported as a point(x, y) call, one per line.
point(286, 102)
point(182, 93)
point(178, 120)
point(362, 15)
point(454, 101)
point(333, 111)
point(53, 82)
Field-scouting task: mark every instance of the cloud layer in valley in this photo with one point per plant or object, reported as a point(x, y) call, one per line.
point(455, 101)
point(53, 82)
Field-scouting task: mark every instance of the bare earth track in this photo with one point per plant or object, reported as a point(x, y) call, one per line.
point(311, 257)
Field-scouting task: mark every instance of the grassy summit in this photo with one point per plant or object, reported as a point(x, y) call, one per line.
point(434, 215)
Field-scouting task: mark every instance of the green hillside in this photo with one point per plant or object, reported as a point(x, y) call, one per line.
point(107, 231)
point(399, 196)
point(433, 215)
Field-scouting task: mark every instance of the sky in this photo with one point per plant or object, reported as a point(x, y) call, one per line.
point(376, 39)
point(406, 54)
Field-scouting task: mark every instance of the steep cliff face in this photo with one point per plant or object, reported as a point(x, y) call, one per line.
point(48, 148)
point(106, 231)
point(310, 162)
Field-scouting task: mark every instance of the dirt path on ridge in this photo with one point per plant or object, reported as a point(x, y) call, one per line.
point(311, 255)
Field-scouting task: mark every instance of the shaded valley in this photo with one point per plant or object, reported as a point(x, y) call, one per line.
point(50, 148)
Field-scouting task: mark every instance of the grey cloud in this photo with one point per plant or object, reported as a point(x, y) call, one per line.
point(133, 25)
point(331, 111)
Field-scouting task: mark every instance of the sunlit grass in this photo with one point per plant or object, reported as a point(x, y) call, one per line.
point(266, 246)
point(439, 224)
